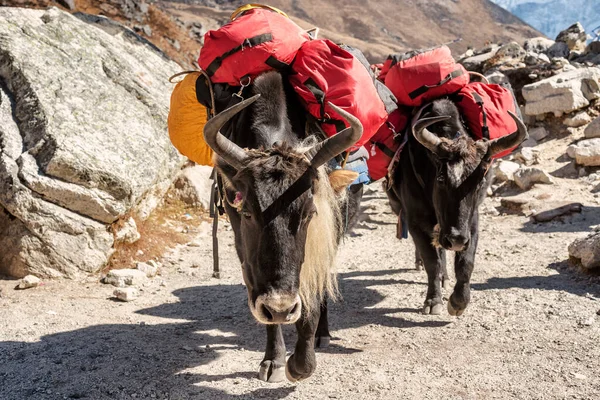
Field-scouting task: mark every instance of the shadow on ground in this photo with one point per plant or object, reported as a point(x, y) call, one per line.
point(119, 361)
point(568, 279)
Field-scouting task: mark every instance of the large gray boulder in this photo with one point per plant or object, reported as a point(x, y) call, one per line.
point(563, 93)
point(83, 138)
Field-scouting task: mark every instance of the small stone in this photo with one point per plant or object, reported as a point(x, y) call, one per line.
point(586, 152)
point(125, 277)
point(127, 232)
point(147, 30)
point(587, 251)
point(593, 129)
point(558, 50)
point(578, 120)
point(505, 170)
point(579, 376)
point(148, 268)
point(527, 177)
point(28, 282)
point(527, 156)
point(126, 294)
point(538, 133)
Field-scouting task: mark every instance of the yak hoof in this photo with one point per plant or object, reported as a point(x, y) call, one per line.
point(322, 342)
point(433, 309)
point(293, 375)
point(419, 265)
point(271, 371)
point(453, 311)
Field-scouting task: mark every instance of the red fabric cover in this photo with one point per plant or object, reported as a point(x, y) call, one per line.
point(322, 73)
point(497, 101)
point(429, 68)
point(379, 160)
point(385, 68)
point(249, 59)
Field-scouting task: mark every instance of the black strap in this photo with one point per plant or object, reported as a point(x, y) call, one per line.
point(276, 64)
point(251, 42)
point(214, 207)
point(412, 163)
point(386, 150)
point(423, 89)
point(485, 130)
point(318, 93)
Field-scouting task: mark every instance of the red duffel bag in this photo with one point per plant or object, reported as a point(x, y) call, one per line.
point(323, 72)
point(384, 144)
point(422, 76)
point(256, 41)
point(484, 108)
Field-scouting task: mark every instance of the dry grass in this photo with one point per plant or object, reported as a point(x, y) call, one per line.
point(171, 224)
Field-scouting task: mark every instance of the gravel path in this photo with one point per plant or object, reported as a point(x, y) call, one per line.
point(531, 331)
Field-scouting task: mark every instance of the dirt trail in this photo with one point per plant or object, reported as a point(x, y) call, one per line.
point(531, 331)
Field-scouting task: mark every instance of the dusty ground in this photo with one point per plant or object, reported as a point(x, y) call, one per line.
point(531, 331)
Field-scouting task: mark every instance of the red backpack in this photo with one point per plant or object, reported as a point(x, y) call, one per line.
point(484, 108)
point(323, 72)
point(422, 76)
point(384, 144)
point(256, 41)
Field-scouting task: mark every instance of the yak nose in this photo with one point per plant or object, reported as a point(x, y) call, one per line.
point(278, 308)
point(455, 241)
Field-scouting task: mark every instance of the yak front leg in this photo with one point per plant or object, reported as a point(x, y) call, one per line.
point(272, 367)
point(434, 261)
point(464, 263)
point(322, 336)
point(303, 362)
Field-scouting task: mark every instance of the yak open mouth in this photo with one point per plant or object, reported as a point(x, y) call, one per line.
point(276, 308)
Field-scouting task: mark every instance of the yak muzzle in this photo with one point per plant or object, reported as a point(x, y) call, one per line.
point(277, 308)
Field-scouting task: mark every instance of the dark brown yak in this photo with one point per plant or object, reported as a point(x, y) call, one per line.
point(441, 180)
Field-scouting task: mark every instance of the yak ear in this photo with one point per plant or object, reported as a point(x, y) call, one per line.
point(341, 178)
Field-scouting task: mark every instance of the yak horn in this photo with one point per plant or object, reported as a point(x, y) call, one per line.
point(324, 151)
point(504, 143)
point(225, 148)
point(428, 139)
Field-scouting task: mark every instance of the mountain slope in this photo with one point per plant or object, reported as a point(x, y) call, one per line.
point(552, 16)
point(380, 27)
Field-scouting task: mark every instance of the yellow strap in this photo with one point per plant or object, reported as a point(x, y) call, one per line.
point(251, 6)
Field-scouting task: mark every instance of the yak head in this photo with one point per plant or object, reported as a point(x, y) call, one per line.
point(461, 168)
point(289, 217)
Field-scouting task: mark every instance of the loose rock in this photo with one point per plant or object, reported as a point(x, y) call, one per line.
point(593, 129)
point(574, 36)
point(587, 251)
point(193, 186)
point(538, 133)
point(126, 294)
point(527, 156)
point(586, 152)
point(505, 170)
point(149, 269)
point(127, 232)
point(538, 44)
point(527, 177)
point(28, 282)
point(578, 120)
point(562, 93)
point(125, 277)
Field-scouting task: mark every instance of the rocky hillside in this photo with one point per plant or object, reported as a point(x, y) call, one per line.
point(382, 27)
point(376, 27)
point(550, 16)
